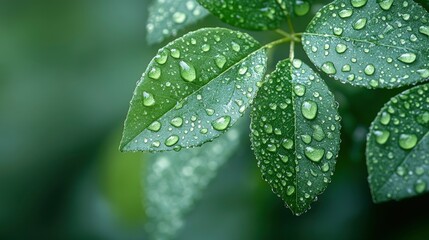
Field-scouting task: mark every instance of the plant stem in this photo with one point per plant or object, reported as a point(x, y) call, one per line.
point(277, 42)
point(290, 25)
point(283, 33)
point(292, 50)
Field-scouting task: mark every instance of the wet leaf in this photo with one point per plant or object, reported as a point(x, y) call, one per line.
point(376, 44)
point(193, 90)
point(173, 182)
point(295, 134)
point(249, 14)
point(398, 147)
point(167, 17)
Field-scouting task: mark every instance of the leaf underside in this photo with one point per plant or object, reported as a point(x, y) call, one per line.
point(174, 181)
point(398, 147)
point(167, 17)
point(193, 90)
point(295, 134)
point(375, 44)
point(249, 14)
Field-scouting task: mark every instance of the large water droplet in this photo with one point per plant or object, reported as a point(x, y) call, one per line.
point(309, 109)
point(155, 126)
point(148, 99)
point(287, 144)
point(162, 57)
point(338, 31)
point(369, 69)
point(423, 118)
point(290, 190)
point(314, 154)
point(177, 121)
point(221, 123)
point(345, 13)
point(358, 3)
point(385, 118)
point(340, 48)
point(381, 136)
point(385, 4)
point(318, 133)
point(154, 73)
point(175, 53)
point(359, 24)
point(407, 58)
point(179, 17)
point(187, 71)
point(424, 73)
point(235, 47)
point(301, 8)
point(329, 68)
point(420, 186)
point(220, 60)
point(424, 30)
point(407, 141)
point(299, 90)
point(170, 141)
point(325, 167)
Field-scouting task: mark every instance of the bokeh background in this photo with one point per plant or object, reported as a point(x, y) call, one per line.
point(67, 72)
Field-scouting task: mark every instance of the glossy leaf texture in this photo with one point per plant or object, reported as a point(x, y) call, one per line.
point(295, 133)
point(173, 182)
point(398, 147)
point(375, 44)
point(167, 17)
point(193, 90)
point(249, 14)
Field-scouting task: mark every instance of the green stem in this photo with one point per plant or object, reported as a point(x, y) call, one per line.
point(283, 33)
point(290, 25)
point(292, 50)
point(277, 42)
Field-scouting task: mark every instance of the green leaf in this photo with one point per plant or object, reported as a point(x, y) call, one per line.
point(193, 90)
point(376, 44)
point(167, 17)
point(249, 14)
point(173, 181)
point(295, 134)
point(398, 147)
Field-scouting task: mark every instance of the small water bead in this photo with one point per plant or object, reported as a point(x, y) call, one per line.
point(345, 13)
point(268, 128)
point(325, 167)
point(318, 133)
point(301, 8)
point(314, 154)
point(220, 60)
point(420, 171)
point(358, 3)
point(340, 48)
point(221, 123)
point(407, 141)
point(329, 68)
point(423, 118)
point(284, 158)
point(179, 17)
point(155, 126)
point(329, 155)
point(287, 144)
point(204, 131)
point(271, 148)
point(299, 90)
point(162, 57)
point(407, 58)
point(346, 68)
point(424, 30)
point(309, 109)
point(369, 69)
point(424, 73)
point(210, 111)
point(381, 136)
point(400, 171)
point(187, 71)
point(235, 47)
point(297, 63)
point(148, 99)
point(242, 70)
point(385, 118)
point(156, 144)
point(290, 190)
point(177, 122)
point(205, 47)
point(385, 4)
point(420, 186)
point(359, 24)
point(170, 141)
point(175, 53)
point(306, 138)
point(155, 73)
point(338, 31)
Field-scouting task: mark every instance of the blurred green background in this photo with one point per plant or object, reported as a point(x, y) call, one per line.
point(67, 72)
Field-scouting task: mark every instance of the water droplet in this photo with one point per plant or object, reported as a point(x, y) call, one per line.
point(346, 68)
point(204, 131)
point(424, 30)
point(340, 48)
point(400, 171)
point(306, 138)
point(407, 141)
point(210, 111)
point(325, 167)
point(271, 148)
point(309, 109)
point(175, 53)
point(148, 99)
point(297, 63)
point(329, 68)
point(156, 144)
point(179, 17)
point(423, 118)
point(318, 133)
point(220, 60)
point(314, 154)
point(345, 13)
point(385, 4)
point(154, 73)
point(268, 128)
point(301, 8)
point(424, 73)
point(338, 31)
point(290, 190)
point(381, 136)
point(235, 47)
point(170, 141)
point(187, 71)
point(369, 69)
point(359, 24)
point(358, 3)
point(284, 159)
point(287, 144)
point(407, 58)
point(385, 118)
point(177, 122)
point(299, 90)
point(162, 57)
point(420, 186)
point(419, 171)
point(221, 123)
point(155, 126)
point(205, 47)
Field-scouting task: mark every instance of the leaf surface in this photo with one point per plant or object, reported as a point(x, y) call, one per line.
point(193, 90)
point(398, 147)
point(376, 44)
point(295, 134)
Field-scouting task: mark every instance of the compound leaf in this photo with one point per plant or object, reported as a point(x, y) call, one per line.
point(193, 90)
point(376, 44)
point(398, 147)
point(173, 182)
point(295, 133)
point(249, 14)
point(167, 17)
